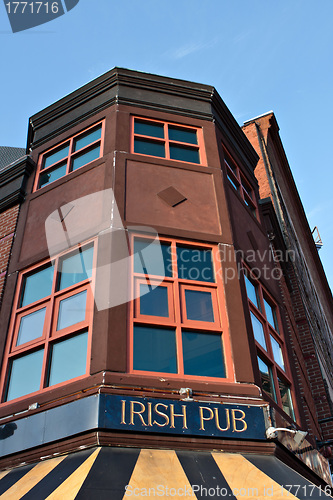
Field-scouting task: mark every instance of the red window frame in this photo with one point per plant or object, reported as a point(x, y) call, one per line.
point(215, 306)
point(276, 332)
point(167, 142)
point(50, 335)
point(240, 184)
point(72, 154)
point(177, 319)
point(149, 319)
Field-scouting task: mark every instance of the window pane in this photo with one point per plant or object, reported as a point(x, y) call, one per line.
point(154, 301)
point(52, 175)
point(195, 264)
point(154, 349)
point(184, 154)
point(182, 135)
point(287, 403)
point(149, 128)
point(37, 286)
point(270, 314)
point(203, 354)
point(85, 158)
point(199, 306)
point(252, 292)
point(146, 147)
point(266, 379)
point(277, 352)
point(25, 375)
point(88, 138)
point(258, 331)
point(75, 268)
point(151, 258)
point(68, 359)
point(31, 326)
point(58, 155)
point(231, 165)
point(232, 183)
point(247, 188)
point(72, 310)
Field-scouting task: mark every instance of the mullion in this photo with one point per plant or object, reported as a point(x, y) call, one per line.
point(166, 140)
point(86, 133)
point(54, 165)
point(247, 189)
point(88, 146)
point(248, 198)
point(264, 323)
point(185, 144)
point(14, 349)
point(69, 159)
point(276, 386)
point(262, 354)
point(257, 312)
point(49, 153)
point(286, 381)
point(139, 136)
point(232, 174)
point(177, 310)
point(49, 330)
point(275, 335)
point(268, 330)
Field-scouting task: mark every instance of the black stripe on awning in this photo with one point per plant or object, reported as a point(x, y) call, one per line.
point(201, 469)
point(111, 472)
point(103, 474)
point(13, 477)
point(284, 475)
point(57, 476)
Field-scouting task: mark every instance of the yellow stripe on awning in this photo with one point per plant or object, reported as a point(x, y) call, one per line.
point(246, 480)
point(158, 471)
point(4, 473)
point(114, 472)
point(72, 485)
point(30, 479)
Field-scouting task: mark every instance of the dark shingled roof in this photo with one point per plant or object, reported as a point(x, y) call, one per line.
point(8, 155)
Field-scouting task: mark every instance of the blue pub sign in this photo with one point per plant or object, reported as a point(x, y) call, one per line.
point(192, 418)
point(133, 414)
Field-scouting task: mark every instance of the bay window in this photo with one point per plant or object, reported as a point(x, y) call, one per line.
point(51, 324)
point(167, 140)
point(272, 359)
point(70, 155)
point(176, 325)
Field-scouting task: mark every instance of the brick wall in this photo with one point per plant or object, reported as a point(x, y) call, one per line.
point(8, 220)
point(303, 335)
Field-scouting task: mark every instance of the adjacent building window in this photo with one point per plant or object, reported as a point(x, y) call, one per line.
point(51, 324)
point(167, 140)
point(240, 184)
point(70, 155)
point(176, 326)
point(272, 359)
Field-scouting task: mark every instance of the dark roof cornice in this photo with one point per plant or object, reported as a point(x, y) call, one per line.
point(13, 181)
point(145, 90)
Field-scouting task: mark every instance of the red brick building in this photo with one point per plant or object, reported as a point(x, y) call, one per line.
point(148, 340)
point(307, 296)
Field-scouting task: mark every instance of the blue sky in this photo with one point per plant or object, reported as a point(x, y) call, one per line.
point(260, 55)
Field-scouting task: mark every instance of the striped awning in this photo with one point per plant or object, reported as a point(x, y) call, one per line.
point(116, 473)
